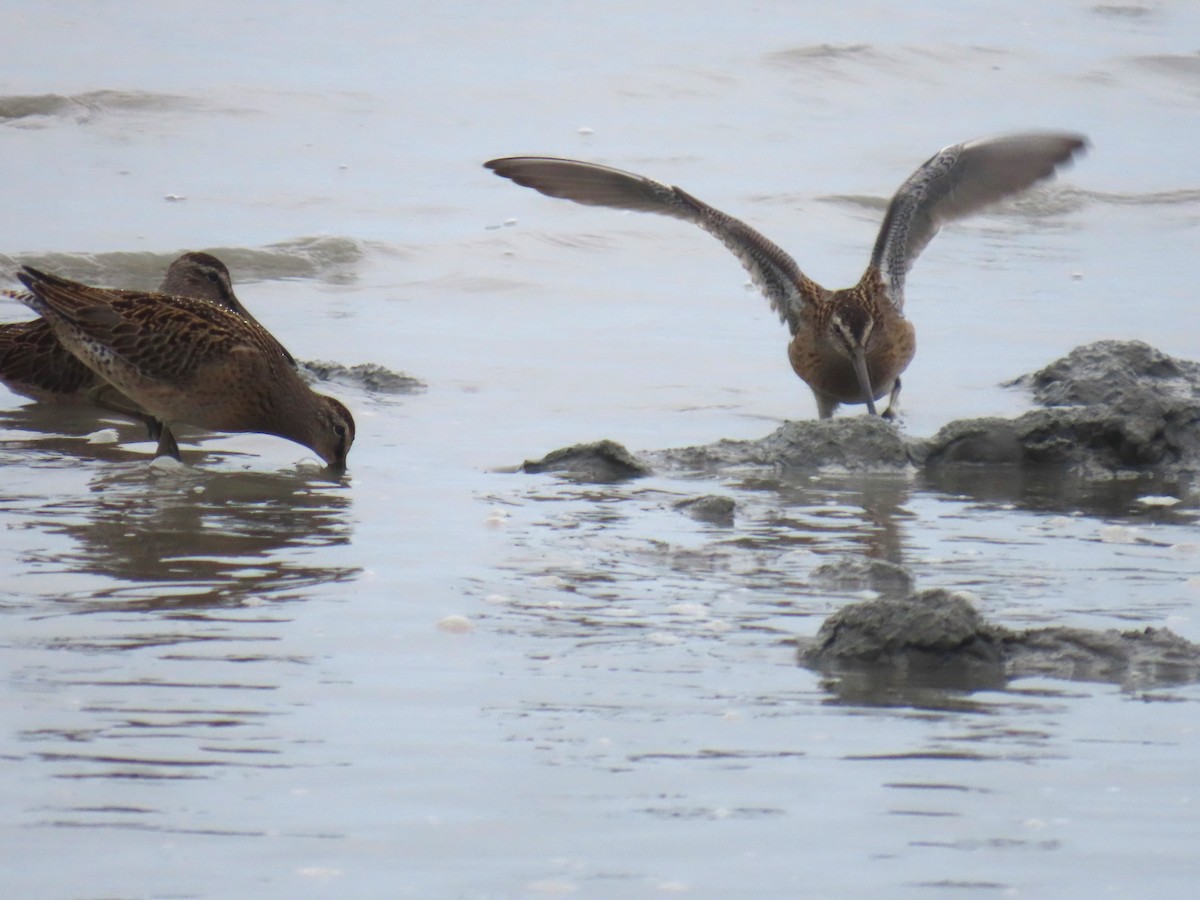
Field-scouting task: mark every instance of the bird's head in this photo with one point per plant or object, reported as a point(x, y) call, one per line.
point(851, 328)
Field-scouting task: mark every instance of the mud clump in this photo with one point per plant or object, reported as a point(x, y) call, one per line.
point(1108, 408)
point(1093, 441)
point(928, 631)
point(856, 573)
point(857, 443)
point(1145, 656)
point(1111, 373)
point(715, 509)
point(601, 462)
point(938, 638)
point(370, 377)
point(853, 443)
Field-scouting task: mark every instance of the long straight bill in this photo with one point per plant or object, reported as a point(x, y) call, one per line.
point(859, 360)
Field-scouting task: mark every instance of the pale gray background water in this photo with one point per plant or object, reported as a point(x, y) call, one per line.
point(231, 682)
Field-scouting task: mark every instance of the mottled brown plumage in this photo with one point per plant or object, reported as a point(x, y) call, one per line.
point(35, 364)
point(849, 345)
point(190, 362)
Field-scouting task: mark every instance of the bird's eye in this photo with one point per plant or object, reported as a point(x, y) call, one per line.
point(212, 276)
point(339, 430)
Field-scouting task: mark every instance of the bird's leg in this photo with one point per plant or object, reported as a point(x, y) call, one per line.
point(166, 443)
point(825, 404)
point(109, 398)
point(892, 410)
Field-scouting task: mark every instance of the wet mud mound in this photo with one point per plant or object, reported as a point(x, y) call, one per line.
point(1108, 408)
point(715, 509)
point(86, 106)
point(936, 638)
point(600, 462)
point(372, 378)
point(860, 573)
point(853, 443)
point(860, 443)
point(1112, 373)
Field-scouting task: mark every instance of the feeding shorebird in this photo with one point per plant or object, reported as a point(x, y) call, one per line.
point(185, 361)
point(849, 345)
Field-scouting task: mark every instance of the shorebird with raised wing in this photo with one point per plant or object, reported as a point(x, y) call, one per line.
point(849, 345)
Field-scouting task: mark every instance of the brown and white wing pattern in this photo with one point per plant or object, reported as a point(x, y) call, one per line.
point(186, 361)
point(957, 181)
point(35, 364)
point(164, 339)
point(772, 270)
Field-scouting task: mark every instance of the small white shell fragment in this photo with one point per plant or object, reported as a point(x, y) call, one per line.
point(456, 624)
point(167, 464)
point(1119, 534)
point(104, 436)
point(583, 129)
point(1156, 500)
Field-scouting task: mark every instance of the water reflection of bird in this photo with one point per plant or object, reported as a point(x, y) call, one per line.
point(190, 362)
point(226, 537)
point(177, 619)
point(848, 345)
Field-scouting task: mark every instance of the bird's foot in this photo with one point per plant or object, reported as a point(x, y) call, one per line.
point(166, 444)
point(892, 413)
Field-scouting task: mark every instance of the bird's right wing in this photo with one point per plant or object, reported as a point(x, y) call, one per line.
point(772, 270)
point(957, 181)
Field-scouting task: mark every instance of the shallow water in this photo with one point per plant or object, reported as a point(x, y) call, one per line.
point(242, 678)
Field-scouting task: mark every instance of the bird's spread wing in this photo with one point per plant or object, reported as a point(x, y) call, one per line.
point(958, 181)
point(771, 269)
